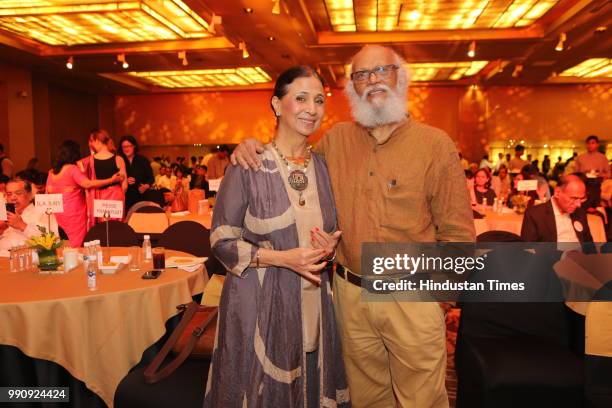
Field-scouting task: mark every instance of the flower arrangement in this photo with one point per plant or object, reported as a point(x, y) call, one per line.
point(519, 203)
point(46, 245)
point(47, 241)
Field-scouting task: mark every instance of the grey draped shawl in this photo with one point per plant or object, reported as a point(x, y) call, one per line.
point(259, 360)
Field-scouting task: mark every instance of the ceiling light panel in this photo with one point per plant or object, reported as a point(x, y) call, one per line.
point(72, 22)
point(408, 15)
point(445, 71)
point(591, 68)
point(204, 78)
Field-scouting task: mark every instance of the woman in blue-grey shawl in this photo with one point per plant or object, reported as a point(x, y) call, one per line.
point(274, 231)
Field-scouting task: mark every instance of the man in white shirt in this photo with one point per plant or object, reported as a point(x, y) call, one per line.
point(165, 178)
point(561, 219)
point(24, 222)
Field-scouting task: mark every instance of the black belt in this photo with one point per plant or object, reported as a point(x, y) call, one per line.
point(366, 284)
point(348, 275)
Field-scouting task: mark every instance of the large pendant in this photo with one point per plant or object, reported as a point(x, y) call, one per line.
point(298, 180)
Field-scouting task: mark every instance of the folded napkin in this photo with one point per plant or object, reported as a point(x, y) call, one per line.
point(191, 268)
point(183, 262)
point(180, 213)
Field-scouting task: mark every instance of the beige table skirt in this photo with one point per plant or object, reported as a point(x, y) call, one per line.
point(97, 336)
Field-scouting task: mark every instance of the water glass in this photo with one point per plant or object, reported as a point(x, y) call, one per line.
point(135, 258)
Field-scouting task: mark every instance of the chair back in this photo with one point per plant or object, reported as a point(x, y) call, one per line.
point(120, 234)
point(498, 236)
point(193, 238)
point(598, 348)
point(144, 207)
point(187, 236)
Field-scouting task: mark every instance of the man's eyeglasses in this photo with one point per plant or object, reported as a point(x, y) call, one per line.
point(15, 193)
point(381, 72)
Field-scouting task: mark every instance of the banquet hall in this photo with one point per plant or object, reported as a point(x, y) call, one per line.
point(133, 132)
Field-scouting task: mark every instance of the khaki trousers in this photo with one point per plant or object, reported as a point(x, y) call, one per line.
point(394, 352)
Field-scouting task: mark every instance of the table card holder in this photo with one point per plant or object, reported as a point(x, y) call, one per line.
point(108, 209)
point(527, 185)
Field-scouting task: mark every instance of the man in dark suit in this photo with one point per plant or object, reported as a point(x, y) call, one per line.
point(560, 219)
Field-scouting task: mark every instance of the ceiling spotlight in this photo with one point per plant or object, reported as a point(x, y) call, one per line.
point(601, 29)
point(414, 15)
point(121, 59)
point(270, 38)
point(248, 10)
point(70, 63)
point(245, 52)
point(561, 44)
point(517, 70)
point(276, 7)
point(328, 91)
point(183, 57)
point(472, 50)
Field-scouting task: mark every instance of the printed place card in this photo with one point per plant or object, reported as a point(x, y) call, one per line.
point(53, 203)
point(108, 208)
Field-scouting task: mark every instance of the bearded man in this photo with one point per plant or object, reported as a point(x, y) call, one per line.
point(394, 180)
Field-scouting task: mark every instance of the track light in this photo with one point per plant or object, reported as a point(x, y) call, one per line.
point(561, 44)
point(183, 57)
point(215, 20)
point(276, 7)
point(122, 60)
point(472, 50)
point(245, 52)
point(517, 70)
point(70, 63)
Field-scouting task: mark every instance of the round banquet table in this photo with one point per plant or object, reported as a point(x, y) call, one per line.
point(97, 336)
point(512, 222)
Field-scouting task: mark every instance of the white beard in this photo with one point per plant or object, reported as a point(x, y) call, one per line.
point(378, 113)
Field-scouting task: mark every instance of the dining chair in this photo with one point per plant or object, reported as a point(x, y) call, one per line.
point(119, 233)
point(598, 349)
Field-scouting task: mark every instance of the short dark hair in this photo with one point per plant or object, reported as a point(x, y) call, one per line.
point(27, 186)
point(519, 148)
point(132, 141)
point(592, 137)
point(69, 152)
point(4, 179)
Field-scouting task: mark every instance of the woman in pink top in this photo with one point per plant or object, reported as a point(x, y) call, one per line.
point(67, 179)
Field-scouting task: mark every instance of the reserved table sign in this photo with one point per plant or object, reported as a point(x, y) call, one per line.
point(53, 203)
point(108, 208)
point(527, 185)
point(213, 185)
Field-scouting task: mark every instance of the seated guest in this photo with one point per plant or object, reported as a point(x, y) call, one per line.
point(561, 219)
point(24, 222)
point(525, 174)
point(482, 187)
point(165, 178)
point(501, 183)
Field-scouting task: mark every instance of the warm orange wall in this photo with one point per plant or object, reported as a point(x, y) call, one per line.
point(474, 118)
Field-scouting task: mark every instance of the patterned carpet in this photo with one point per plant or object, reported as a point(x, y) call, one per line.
point(452, 324)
